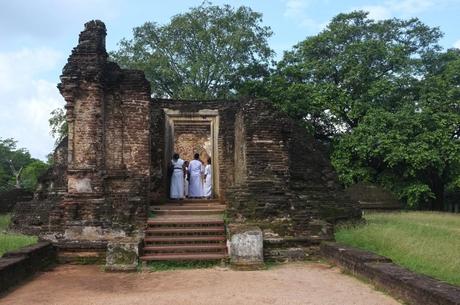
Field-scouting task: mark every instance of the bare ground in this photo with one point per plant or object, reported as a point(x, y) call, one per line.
point(292, 284)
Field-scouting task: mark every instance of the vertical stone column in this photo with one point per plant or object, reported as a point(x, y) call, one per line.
point(82, 87)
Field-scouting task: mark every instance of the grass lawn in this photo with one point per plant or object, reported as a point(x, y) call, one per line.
point(10, 241)
point(424, 242)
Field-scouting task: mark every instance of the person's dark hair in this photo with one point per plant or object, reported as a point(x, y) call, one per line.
point(196, 156)
point(176, 156)
point(209, 160)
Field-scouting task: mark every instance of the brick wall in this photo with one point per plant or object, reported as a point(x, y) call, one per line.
point(287, 185)
point(269, 171)
point(108, 153)
point(191, 138)
point(225, 140)
point(272, 173)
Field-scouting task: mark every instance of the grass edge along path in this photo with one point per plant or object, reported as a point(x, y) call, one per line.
point(12, 241)
point(424, 242)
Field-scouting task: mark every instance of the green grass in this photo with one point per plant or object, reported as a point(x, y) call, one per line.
point(424, 242)
point(11, 241)
point(164, 266)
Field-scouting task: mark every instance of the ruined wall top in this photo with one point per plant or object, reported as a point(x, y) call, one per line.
point(92, 38)
point(88, 58)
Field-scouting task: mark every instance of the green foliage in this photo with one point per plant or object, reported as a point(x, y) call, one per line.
point(10, 241)
point(413, 150)
point(206, 53)
point(17, 167)
point(58, 124)
point(424, 242)
point(31, 173)
point(385, 96)
point(5, 220)
point(333, 79)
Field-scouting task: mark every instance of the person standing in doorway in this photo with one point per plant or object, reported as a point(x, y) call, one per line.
point(208, 180)
point(186, 178)
point(195, 170)
point(177, 177)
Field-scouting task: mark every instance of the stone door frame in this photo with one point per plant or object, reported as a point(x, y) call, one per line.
point(210, 116)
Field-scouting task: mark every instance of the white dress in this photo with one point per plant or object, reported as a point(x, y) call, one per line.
point(177, 180)
point(195, 169)
point(208, 181)
point(186, 183)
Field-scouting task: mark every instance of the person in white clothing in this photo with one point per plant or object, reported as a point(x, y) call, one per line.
point(208, 180)
point(186, 178)
point(177, 177)
point(195, 170)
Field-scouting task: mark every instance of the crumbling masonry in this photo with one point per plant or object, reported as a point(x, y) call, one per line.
point(268, 172)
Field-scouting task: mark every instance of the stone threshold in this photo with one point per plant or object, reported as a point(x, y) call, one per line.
point(401, 283)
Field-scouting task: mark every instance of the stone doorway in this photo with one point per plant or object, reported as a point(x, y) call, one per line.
point(190, 133)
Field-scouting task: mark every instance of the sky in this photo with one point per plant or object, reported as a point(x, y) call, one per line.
point(37, 36)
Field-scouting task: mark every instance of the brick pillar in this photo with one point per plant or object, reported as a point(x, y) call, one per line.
point(82, 88)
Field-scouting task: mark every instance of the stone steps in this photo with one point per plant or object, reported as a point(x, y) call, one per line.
point(188, 202)
point(187, 207)
point(184, 257)
point(166, 211)
point(208, 247)
point(183, 238)
point(185, 230)
point(169, 230)
point(185, 221)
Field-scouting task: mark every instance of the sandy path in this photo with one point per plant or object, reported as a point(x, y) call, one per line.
point(291, 284)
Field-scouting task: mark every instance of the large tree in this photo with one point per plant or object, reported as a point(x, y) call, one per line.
point(414, 149)
point(17, 168)
point(206, 53)
point(387, 98)
point(332, 79)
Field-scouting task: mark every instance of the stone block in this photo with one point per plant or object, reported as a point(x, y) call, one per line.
point(246, 247)
point(122, 255)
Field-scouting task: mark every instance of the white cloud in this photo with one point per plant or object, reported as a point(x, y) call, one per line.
point(410, 7)
point(400, 8)
point(377, 12)
point(296, 9)
point(48, 19)
point(21, 66)
point(26, 98)
point(457, 44)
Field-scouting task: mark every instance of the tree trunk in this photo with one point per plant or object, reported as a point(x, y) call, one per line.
point(437, 186)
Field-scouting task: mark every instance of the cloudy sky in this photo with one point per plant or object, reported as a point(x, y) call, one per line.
point(37, 36)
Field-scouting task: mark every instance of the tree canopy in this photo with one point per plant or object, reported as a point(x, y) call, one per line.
point(17, 168)
point(208, 52)
point(385, 97)
point(332, 79)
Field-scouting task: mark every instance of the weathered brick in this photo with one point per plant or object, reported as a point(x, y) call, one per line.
point(268, 170)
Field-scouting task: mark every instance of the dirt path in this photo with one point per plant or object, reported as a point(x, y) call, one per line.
point(286, 284)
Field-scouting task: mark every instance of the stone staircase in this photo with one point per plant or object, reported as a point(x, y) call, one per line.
point(185, 230)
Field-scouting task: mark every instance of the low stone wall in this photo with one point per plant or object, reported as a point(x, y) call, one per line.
point(291, 248)
point(398, 281)
point(16, 266)
point(9, 198)
point(373, 197)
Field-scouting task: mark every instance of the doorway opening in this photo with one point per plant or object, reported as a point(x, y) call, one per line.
point(190, 133)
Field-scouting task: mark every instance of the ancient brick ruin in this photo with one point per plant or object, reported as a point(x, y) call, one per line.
point(268, 172)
